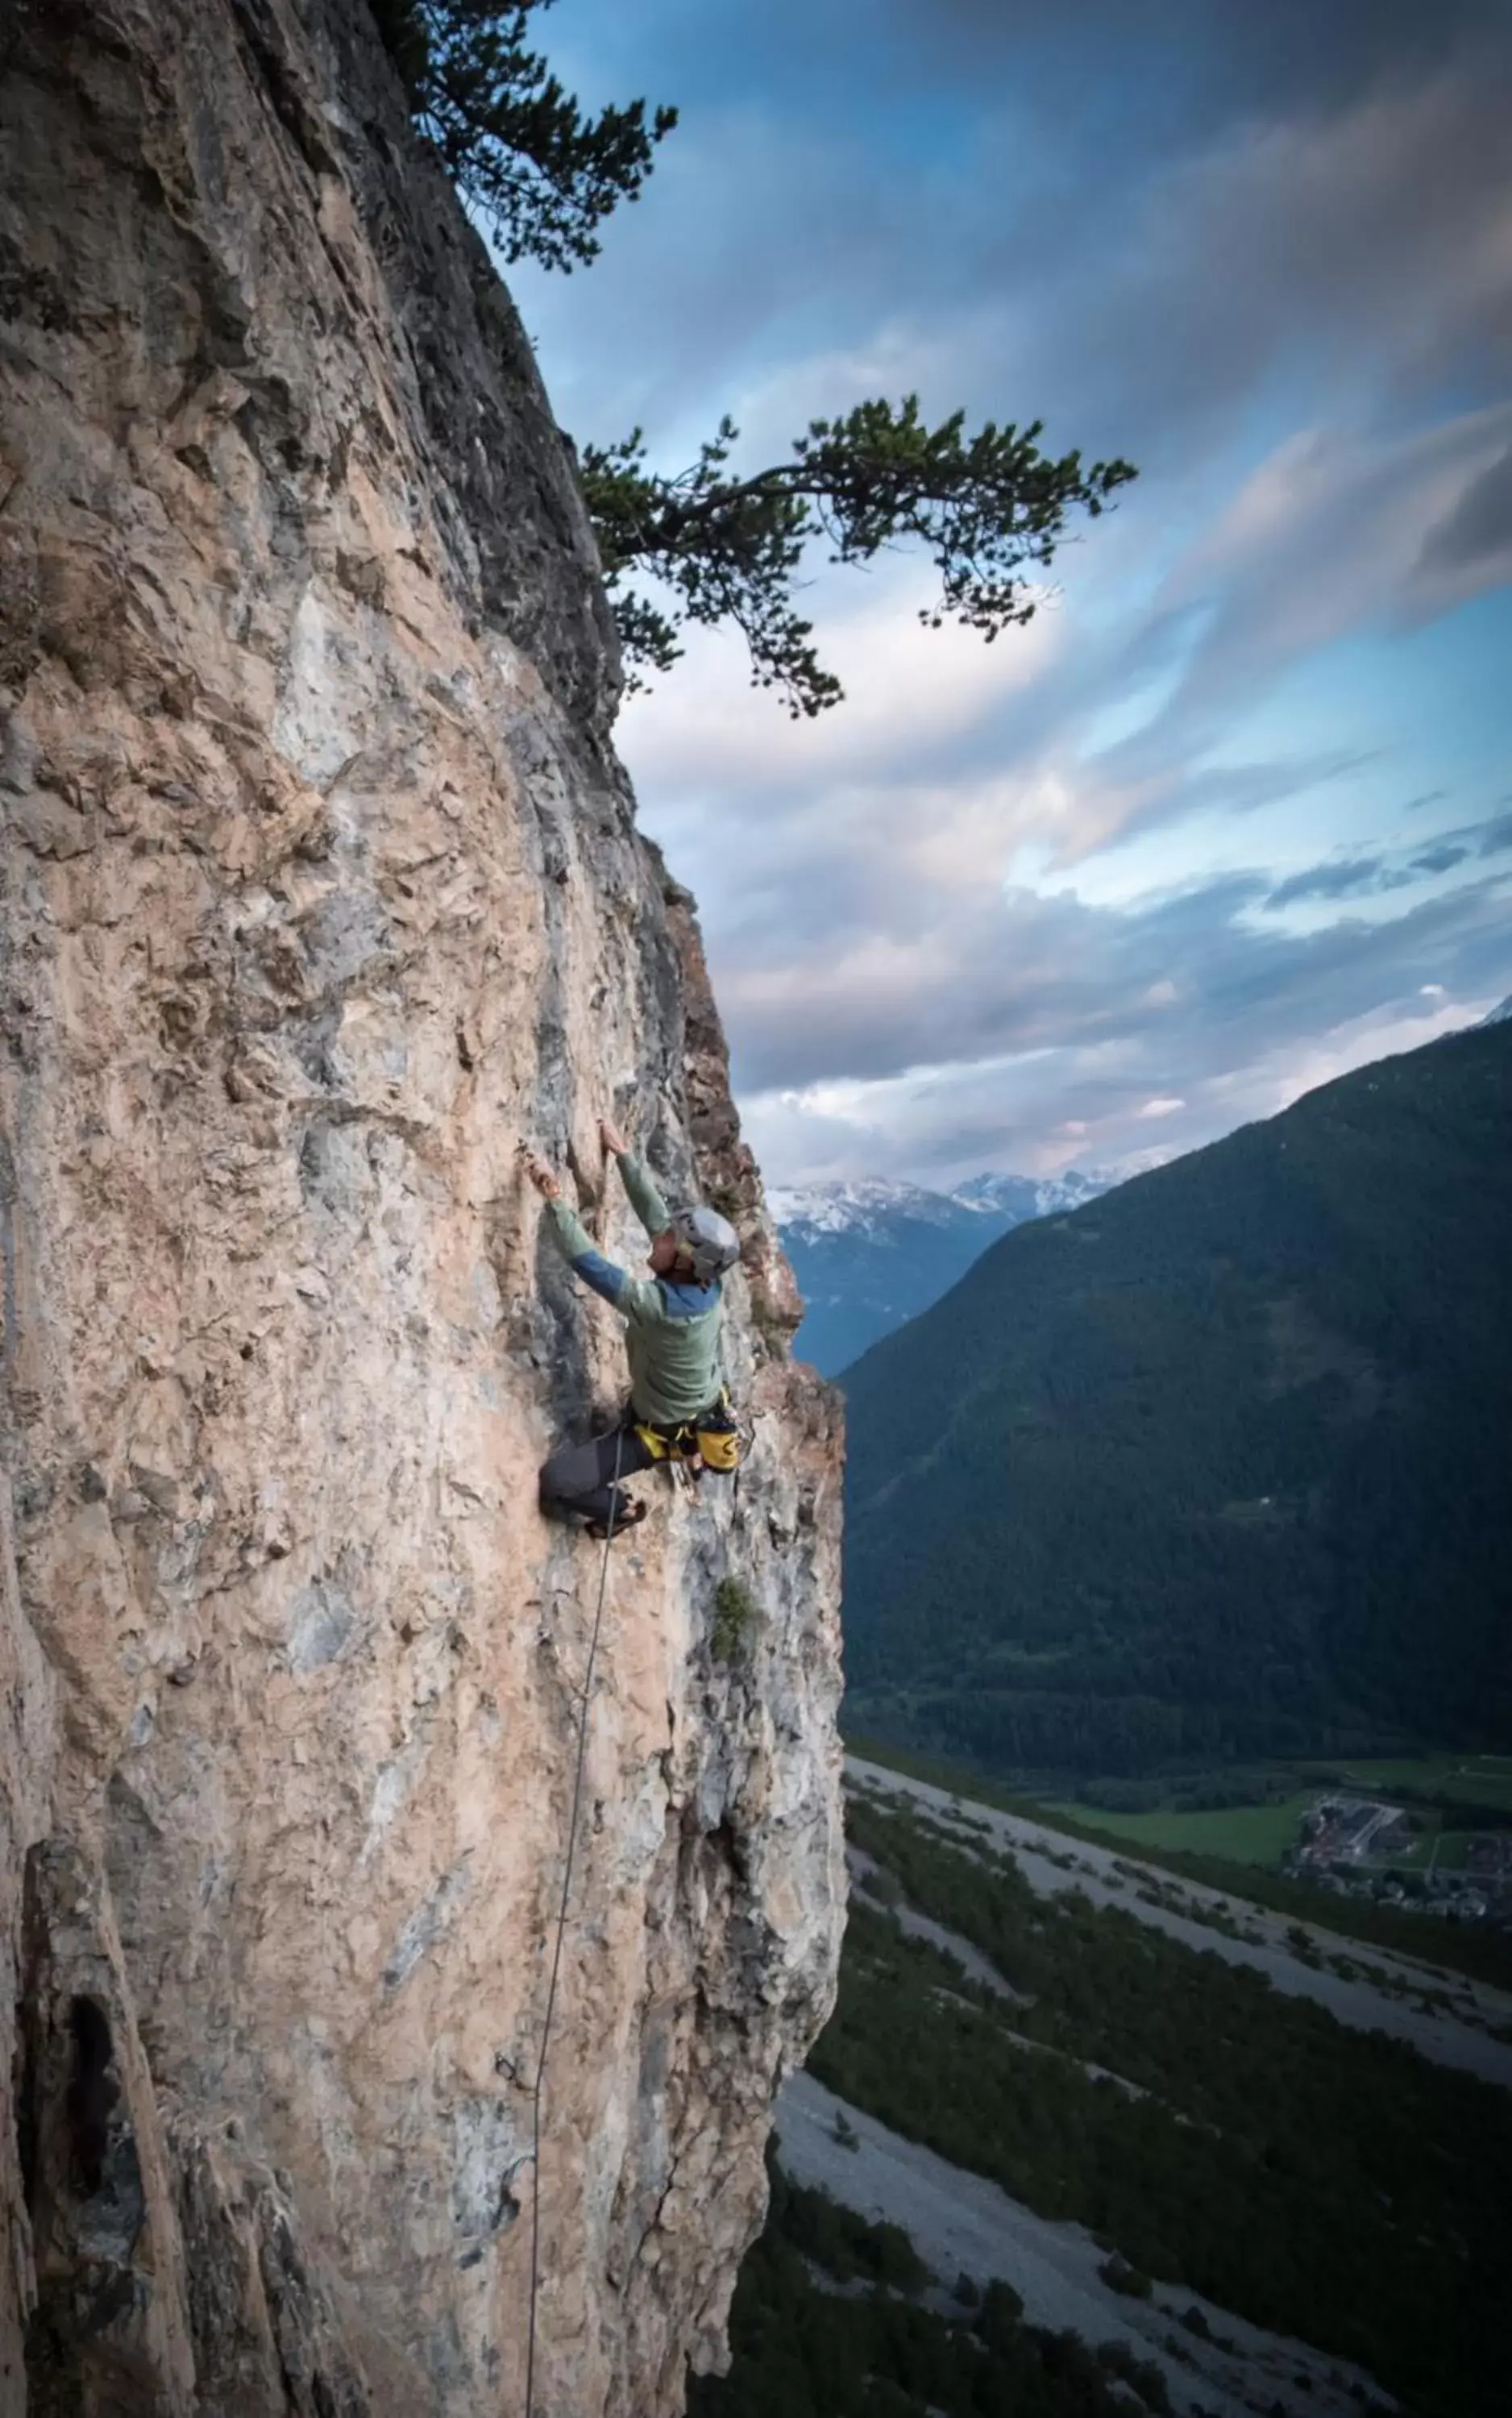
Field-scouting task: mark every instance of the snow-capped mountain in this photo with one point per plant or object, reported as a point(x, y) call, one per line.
point(869, 1254)
point(1027, 1196)
point(1502, 1014)
point(873, 1205)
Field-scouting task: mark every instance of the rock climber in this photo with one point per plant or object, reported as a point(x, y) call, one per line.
point(677, 1408)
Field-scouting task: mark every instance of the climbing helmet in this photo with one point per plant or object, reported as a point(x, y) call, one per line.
point(708, 1240)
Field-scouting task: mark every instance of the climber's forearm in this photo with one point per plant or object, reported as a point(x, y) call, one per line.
point(643, 1197)
point(582, 1254)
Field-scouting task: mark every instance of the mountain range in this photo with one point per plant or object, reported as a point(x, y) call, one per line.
point(1217, 1465)
point(870, 1254)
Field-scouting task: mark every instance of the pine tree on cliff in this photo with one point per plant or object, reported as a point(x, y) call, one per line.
point(990, 508)
point(539, 175)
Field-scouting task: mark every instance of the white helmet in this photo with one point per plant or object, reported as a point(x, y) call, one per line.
point(708, 1240)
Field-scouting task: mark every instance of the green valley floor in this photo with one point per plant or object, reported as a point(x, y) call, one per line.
point(1206, 2158)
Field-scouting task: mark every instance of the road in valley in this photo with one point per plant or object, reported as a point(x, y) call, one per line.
point(1455, 2035)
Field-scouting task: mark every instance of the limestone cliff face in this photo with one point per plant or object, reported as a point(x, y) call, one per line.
point(321, 888)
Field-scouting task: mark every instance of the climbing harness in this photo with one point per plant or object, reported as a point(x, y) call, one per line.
point(557, 1952)
point(714, 1440)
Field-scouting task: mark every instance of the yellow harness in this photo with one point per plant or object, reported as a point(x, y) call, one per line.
point(713, 1439)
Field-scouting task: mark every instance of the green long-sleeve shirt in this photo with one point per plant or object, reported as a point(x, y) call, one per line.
point(671, 1329)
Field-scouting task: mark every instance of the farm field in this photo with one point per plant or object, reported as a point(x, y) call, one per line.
point(1475, 1952)
point(1245, 1834)
point(1261, 1834)
point(1448, 1851)
point(1463, 1779)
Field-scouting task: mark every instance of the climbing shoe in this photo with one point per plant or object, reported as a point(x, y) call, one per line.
point(631, 1517)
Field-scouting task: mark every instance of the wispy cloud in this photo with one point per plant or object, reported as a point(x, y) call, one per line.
point(1222, 815)
point(1342, 880)
point(1066, 1068)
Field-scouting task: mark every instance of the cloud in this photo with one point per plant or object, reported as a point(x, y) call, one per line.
point(1330, 534)
point(1217, 65)
point(1133, 265)
point(1265, 251)
point(1369, 876)
point(912, 696)
point(766, 238)
point(860, 928)
point(1340, 881)
point(1478, 531)
point(1016, 972)
point(1294, 245)
point(1495, 835)
point(1259, 1018)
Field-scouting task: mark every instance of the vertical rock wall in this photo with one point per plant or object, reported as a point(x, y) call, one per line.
point(320, 889)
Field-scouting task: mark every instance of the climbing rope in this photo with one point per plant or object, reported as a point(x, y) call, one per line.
point(561, 1931)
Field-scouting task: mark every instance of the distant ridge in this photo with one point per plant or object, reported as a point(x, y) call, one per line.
point(871, 1253)
point(1218, 1465)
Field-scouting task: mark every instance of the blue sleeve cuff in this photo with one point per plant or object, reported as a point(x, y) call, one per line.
point(601, 1274)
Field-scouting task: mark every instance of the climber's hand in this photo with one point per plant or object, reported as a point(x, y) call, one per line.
point(613, 1139)
point(542, 1177)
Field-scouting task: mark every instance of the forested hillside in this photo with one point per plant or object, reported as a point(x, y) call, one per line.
point(1218, 1465)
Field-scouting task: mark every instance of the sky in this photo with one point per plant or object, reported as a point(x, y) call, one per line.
point(1233, 812)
